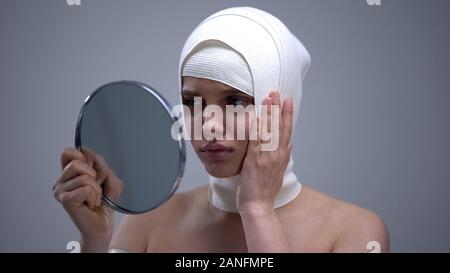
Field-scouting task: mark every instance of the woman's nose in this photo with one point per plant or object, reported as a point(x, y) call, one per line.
point(213, 123)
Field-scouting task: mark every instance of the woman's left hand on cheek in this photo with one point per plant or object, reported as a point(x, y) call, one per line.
point(263, 170)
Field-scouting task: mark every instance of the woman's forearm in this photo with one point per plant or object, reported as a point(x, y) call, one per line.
point(263, 231)
point(99, 245)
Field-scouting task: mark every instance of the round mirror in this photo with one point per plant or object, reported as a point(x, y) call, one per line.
point(125, 128)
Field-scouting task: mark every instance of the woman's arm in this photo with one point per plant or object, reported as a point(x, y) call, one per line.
point(263, 230)
point(262, 173)
point(132, 234)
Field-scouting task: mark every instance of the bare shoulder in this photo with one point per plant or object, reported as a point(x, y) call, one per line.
point(356, 229)
point(133, 232)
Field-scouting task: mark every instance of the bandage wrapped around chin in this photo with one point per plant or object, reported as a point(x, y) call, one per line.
point(254, 52)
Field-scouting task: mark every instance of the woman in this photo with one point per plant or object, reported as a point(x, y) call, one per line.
point(253, 201)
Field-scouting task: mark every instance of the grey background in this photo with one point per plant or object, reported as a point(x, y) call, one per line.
point(373, 126)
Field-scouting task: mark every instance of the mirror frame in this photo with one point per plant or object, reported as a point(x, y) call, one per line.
point(181, 144)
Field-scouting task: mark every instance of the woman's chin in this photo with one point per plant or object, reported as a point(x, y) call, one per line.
point(221, 170)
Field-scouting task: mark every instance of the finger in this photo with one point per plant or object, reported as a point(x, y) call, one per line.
point(74, 168)
point(102, 169)
point(93, 200)
point(276, 124)
point(113, 186)
point(253, 148)
point(70, 154)
point(286, 127)
point(275, 95)
point(265, 122)
point(80, 181)
point(269, 104)
point(90, 155)
point(77, 197)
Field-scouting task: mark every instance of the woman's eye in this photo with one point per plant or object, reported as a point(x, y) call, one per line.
point(188, 101)
point(237, 101)
point(193, 101)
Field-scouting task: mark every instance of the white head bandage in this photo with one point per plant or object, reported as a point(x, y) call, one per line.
point(216, 61)
point(254, 52)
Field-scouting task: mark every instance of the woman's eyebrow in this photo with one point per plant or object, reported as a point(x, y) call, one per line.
point(186, 92)
point(234, 92)
point(223, 92)
point(230, 91)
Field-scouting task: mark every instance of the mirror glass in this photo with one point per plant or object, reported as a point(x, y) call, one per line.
point(125, 128)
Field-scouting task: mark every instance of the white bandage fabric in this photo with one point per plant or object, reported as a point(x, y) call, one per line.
point(243, 45)
point(217, 61)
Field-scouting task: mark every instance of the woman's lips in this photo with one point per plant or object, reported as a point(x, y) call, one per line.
point(215, 152)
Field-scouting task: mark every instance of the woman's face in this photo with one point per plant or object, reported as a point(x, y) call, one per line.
point(221, 157)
